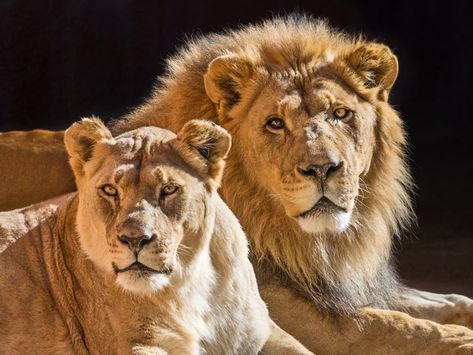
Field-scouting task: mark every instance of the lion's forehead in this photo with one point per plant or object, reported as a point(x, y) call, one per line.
point(314, 95)
point(141, 142)
point(135, 162)
point(138, 172)
point(151, 134)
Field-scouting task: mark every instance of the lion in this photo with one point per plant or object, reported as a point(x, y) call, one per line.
point(144, 259)
point(317, 176)
point(27, 155)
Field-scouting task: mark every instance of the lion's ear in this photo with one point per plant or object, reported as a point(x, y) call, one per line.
point(376, 65)
point(225, 79)
point(80, 140)
point(210, 143)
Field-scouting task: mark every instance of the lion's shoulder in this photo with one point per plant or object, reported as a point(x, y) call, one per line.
point(16, 224)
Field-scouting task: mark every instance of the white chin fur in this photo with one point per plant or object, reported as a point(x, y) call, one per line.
point(132, 282)
point(337, 222)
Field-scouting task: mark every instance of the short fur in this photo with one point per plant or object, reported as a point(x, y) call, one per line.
point(62, 290)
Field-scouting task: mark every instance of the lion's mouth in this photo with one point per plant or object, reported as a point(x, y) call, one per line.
point(322, 206)
point(141, 268)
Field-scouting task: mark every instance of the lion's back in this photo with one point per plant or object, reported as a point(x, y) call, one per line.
point(39, 160)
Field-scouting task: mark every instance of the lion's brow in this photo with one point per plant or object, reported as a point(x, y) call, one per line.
point(123, 173)
point(159, 174)
point(118, 175)
point(289, 104)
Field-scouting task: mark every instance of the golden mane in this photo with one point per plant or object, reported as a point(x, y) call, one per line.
point(338, 272)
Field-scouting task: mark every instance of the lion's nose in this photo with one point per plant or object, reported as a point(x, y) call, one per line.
point(136, 243)
point(321, 172)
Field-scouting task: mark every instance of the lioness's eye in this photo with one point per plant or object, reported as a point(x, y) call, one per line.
point(169, 189)
point(109, 190)
point(342, 114)
point(275, 123)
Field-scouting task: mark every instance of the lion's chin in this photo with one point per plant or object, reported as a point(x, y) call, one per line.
point(142, 283)
point(335, 222)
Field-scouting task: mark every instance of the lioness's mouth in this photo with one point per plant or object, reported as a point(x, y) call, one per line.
point(322, 206)
point(139, 267)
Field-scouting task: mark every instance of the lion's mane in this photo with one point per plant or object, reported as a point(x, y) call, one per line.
point(338, 272)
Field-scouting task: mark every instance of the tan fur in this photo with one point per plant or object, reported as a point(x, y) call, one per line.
point(61, 287)
point(35, 162)
point(300, 69)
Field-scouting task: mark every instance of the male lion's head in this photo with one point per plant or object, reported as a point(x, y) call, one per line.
point(308, 112)
point(143, 209)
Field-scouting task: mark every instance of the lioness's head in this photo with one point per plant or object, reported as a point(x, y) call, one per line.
point(143, 197)
point(309, 111)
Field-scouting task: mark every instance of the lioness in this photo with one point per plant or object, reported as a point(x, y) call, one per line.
point(145, 259)
point(318, 178)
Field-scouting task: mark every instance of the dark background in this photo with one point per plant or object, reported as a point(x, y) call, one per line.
point(64, 59)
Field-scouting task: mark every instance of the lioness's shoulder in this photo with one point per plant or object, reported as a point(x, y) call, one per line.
point(17, 223)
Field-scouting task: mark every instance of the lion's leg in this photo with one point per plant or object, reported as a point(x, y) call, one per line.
point(281, 343)
point(445, 309)
point(382, 332)
point(148, 350)
point(170, 346)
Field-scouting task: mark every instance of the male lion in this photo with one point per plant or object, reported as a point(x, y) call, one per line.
point(145, 259)
point(318, 179)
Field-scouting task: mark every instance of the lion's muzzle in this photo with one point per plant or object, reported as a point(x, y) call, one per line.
point(137, 242)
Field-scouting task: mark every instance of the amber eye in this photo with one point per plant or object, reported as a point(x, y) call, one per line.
point(109, 190)
point(169, 189)
point(342, 114)
point(275, 123)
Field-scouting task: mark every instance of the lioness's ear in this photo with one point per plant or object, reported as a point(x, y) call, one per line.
point(210, 143)
point(224, 80)
point(80, 139)
point(376, 65)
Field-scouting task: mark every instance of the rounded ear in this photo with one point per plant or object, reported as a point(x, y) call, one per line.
point(224, 80)
point(210, 143)
point(376, 65)
point(80, 140)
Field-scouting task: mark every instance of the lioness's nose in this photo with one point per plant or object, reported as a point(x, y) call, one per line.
point(321, 172)
point(136, 243)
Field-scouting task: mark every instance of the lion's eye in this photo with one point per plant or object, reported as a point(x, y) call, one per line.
point(275, 124)
point(109, 190)
point(169, 189)
point(342, 114)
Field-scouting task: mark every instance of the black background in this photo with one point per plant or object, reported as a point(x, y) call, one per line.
point(64, 59)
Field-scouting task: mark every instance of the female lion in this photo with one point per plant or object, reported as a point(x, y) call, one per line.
point(144, 259)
